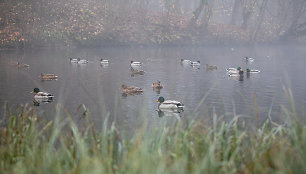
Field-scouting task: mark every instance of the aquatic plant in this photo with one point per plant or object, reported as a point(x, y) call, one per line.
point(31, 144)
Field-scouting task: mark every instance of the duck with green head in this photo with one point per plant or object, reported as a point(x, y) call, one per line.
point(186, 61)
point(169, 104)
point(249, 59)
point(82, 61)
point(42, 95)
point(252, 71)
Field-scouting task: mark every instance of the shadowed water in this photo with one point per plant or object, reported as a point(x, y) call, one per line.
point(99, 87)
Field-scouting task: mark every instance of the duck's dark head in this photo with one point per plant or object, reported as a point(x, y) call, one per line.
point(160, 100)
point(182, 60)
point(248, 70)
point(35, 90)
point(132, 61)
point(198, 61)
point(79, 59)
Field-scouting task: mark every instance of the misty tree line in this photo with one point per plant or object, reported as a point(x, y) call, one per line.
point(151, 21)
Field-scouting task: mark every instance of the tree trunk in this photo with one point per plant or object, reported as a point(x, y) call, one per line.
point(260, 19)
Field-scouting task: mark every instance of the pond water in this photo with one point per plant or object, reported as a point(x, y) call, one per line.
point(99, 87)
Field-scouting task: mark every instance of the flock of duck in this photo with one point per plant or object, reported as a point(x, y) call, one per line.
point(240, 72)
point(164, 105)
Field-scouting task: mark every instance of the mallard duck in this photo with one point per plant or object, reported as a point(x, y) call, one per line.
point(42, 95)
point(136, 63)
point(136, 71)
point(48, 76)
point(235, 72)
point(169, 104)
point(131, 89)
point(82, 61)
point(104, 61)
point(73, 60)
point(157, 85)
point(185, 61)
point(197, 63)
point(23, 65)
point(249, 59)
point(252, 71)
point(211, 66)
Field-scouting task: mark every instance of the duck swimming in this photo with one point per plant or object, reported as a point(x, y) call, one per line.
point(185, 61)
point(131, 90)
point(82, 61)
point(157, 85)
point(42, 95)
point(136, 63)
point(252, 71)
point(249, 59)
point(235, 72)
point(211, 66)
point(197, 63)
point(73, 60)
point(169, 104)
point(104, 61)
point(47, 76)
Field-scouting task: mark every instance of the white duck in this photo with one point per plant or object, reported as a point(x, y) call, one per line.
point(104, 61)
point(73, 60)
point(197, 63)
point(135, 63)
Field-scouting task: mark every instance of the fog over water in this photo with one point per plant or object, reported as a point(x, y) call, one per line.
point(99, 87)
point(44, 34)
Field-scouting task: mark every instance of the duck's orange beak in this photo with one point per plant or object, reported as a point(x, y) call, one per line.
point(32, 92)
point(156, 101)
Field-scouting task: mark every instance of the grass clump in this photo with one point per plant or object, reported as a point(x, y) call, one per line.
point(29, 144)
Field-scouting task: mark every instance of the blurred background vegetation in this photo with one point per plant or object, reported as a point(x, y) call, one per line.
point(29, 23)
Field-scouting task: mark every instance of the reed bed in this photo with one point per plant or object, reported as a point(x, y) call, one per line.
point(30, 144)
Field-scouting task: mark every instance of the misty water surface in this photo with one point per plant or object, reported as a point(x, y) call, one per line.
point(98, 87)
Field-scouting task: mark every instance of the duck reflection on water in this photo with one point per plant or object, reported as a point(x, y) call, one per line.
point(170, 113)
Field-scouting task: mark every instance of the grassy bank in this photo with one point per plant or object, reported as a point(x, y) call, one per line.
point(29, 144)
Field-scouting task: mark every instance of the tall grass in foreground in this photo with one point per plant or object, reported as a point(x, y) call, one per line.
point(29, 144)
